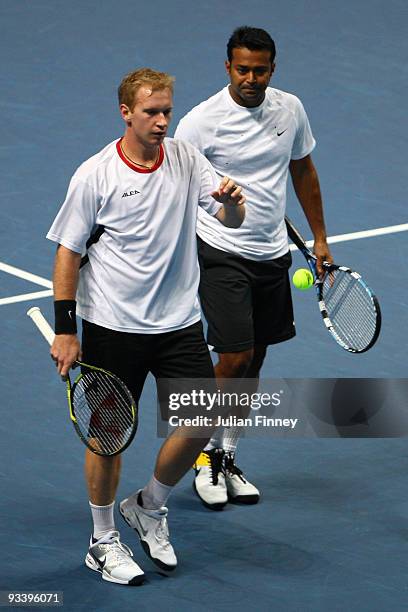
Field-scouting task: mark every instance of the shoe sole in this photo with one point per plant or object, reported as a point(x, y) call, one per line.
point(136, 581)
point(145, 546)
point(246, 500)
point(218, 506)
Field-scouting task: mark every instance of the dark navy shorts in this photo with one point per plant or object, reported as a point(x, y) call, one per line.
point(245, 302)
point(179, 354)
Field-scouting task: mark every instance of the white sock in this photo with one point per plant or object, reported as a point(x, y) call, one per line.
point(230, 439)
point(211, 445)
point(215, 441)
point(155, 494)
point(103, 520)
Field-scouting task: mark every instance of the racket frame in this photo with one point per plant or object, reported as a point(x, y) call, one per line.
point(311, 260)
point(44, 327)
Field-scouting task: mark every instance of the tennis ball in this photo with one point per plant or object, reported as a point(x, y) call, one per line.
point(302, 279)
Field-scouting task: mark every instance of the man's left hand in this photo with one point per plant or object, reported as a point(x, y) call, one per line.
point(229, 193)
point(322, 252)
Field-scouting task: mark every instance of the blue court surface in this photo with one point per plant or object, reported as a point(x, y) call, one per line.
point(331, 529)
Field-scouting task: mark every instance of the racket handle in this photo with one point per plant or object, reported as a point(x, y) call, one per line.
point(45, 328)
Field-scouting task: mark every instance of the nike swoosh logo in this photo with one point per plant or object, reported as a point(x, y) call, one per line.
point(100, 562)
point(280, 133)
point(70, 314)
point(144, 531)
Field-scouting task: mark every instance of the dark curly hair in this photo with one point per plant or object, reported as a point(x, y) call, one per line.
point(254, 39)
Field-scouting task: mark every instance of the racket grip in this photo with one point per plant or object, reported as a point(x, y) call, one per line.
point(45, 328)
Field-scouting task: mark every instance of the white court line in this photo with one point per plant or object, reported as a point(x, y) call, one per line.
point(43, 282)
point(33, 278)
point(381, 231)
point(26, 296)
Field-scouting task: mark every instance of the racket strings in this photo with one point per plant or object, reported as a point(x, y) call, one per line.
point(103, 411)
point(101, 421)
point(104, 433)
point(350, 308)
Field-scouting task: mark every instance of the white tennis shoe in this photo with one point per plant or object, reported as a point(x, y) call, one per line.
point(152, 529)
point(113, 559)
point(239, 489)
point(209, 482)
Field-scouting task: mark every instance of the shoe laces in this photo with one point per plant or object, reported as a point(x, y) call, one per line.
point(111, 543)
point(216, 463)
point(162, 530)
point(231, 468)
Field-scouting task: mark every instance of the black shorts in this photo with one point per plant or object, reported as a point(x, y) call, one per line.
point(182, 353)
point(245, 302)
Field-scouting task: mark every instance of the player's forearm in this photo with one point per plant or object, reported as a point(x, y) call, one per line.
point(65, 278)
point(307, 189)
point(65, 348)
point(231, 215)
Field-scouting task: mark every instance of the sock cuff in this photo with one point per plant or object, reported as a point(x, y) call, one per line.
point(155, 494)
point(95, 507)
point(161, 484)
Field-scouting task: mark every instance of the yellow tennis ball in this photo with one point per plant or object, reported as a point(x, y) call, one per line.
point(302, 279)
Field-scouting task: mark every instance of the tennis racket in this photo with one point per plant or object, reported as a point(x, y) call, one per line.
point(349, 308)
point(101, 407)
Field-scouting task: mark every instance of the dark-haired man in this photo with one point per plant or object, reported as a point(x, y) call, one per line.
point(257, 134)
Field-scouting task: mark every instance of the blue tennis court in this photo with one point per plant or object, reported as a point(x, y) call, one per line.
point(330, 531)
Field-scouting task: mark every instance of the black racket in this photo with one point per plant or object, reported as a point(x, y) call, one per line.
point(349, 308)
point(101, 407)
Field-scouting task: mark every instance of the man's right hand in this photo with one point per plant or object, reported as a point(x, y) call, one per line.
point(65, 350)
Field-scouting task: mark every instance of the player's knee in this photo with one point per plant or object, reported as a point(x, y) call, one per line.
point(257, 361)
point(236, 364)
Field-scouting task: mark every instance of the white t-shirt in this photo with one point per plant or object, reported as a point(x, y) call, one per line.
point(253, 146)
point(143, 274)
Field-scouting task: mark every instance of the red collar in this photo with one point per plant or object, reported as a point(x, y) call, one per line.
point(137, 168)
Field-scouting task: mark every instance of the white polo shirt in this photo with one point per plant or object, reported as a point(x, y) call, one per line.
point(143, 274)
point(253, 146)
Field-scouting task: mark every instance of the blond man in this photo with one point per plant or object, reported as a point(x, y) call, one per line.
point(137, 297)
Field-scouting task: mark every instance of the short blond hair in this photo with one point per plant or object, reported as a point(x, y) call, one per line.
point(143, 76)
